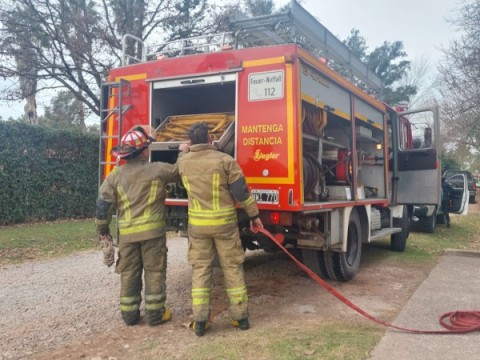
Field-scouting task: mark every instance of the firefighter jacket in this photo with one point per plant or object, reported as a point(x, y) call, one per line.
point(137, 191)
point(215, 183)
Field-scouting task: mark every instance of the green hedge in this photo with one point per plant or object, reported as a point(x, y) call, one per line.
point(46, 174)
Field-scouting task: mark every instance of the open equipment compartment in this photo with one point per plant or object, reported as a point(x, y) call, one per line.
point(179, 104)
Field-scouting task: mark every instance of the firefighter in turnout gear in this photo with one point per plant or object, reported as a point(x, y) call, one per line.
point(215, 183)
point(137, 190)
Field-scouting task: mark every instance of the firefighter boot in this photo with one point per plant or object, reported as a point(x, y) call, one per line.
point(242, 324)
point(158, 317)
point(131, 317)
point(200, 327)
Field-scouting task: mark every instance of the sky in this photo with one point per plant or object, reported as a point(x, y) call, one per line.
point(420, 24)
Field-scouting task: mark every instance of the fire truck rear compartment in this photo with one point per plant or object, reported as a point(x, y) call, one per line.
point(195, 103)
point(197, 99)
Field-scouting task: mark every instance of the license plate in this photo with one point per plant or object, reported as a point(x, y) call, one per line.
point(265, 196)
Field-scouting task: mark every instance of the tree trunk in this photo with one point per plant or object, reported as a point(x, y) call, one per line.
point(31, 110)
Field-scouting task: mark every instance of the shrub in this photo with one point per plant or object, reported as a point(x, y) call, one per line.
point(46, 174)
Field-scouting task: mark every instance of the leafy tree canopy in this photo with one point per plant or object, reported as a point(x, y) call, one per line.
point(386, 61)
point(72, 44)
point(459, 82)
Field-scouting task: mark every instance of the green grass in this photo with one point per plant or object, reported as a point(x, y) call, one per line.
point(307, 341)
point(463, 234)
point(33, 241)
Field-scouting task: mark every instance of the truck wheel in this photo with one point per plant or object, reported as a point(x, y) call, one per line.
point(315, 261)
point(330, 265)
point(398, 241)
point(346, 263)
point(429, 224)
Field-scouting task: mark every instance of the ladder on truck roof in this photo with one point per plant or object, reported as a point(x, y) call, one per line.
point(296, 25)
point(299, 26)
point(109, 91)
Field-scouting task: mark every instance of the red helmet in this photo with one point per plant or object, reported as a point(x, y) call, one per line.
point(133, 141)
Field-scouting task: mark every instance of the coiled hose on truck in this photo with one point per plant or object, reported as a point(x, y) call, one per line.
point(175, 128)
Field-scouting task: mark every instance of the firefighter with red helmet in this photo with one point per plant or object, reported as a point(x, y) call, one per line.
point(137, 190)
point(215, 183)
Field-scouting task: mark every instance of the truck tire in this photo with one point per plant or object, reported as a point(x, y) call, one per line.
point(429, 223)
point(330, 265)
point(398, 241)
point(346, 263)
point(315, 261)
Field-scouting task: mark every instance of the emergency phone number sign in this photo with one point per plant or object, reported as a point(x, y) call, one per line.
point(266, 85)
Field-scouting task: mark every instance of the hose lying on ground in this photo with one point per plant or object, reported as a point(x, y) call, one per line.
point(456, 322)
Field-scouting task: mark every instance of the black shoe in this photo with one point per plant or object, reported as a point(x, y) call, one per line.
point(131, 318)
point(158, 317)
point(199, 327)
point(242, 324)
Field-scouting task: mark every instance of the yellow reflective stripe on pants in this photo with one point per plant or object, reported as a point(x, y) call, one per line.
point(153, 302)
point(237, 295)
point(129, 303)
point(156, 306)
point(201, 296)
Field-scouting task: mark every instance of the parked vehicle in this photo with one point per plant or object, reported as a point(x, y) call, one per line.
point(330, 166)
point(472, 185)
point(426, 217)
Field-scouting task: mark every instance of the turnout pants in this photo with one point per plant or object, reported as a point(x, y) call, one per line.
point(203, 243)
point(149, 256)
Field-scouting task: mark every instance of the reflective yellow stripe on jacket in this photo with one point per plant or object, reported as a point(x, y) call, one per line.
point(209, 217)
point(147, 222)
point(212, 217)
point(144, 223)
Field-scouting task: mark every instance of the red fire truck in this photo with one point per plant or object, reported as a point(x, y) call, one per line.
point(330, 166)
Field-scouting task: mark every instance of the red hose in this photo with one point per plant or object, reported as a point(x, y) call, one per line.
point(457, 322)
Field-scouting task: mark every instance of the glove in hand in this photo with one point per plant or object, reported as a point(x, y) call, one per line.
point(106, 243)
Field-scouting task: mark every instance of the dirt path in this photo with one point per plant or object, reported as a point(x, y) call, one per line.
point(67, 308)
